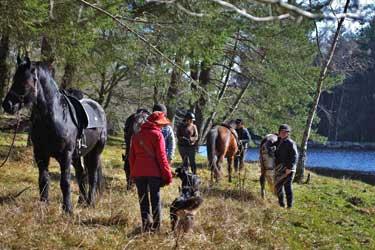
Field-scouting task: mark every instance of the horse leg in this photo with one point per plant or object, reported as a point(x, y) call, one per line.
point(92, 162)
point(262, 181)
point(42, 162)
point(219, 163)
point(81, 179)
point(65, 181)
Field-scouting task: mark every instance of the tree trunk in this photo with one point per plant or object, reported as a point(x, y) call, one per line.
point(237, 101)
point(4, 69)
point(101, 92)
point(200, 104)
point(220, 96)
point(323, 73)
point(68, 77)
point(173, 89)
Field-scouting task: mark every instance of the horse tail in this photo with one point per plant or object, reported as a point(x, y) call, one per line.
point(212, 136)
point(101, 181)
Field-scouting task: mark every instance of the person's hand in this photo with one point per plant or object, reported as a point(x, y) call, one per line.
point(288, 171)
point(170, 161)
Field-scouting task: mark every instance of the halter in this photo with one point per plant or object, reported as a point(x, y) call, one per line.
point(35, 88)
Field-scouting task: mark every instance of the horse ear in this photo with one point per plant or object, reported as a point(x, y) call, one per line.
point(19, 60)
point(50, 65)
point(28, 62)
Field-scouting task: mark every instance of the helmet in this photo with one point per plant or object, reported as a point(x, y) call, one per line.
point(190, 115)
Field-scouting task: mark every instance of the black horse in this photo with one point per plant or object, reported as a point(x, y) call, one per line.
point(131, 126)
point(55, 130)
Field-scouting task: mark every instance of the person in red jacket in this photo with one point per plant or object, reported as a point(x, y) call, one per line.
point(149, 168)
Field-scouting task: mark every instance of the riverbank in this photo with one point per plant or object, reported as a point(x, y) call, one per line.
point(349, 145)
point(364, 176)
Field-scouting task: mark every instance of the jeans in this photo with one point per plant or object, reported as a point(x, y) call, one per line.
point(285, 185)
point(188, 156)
point(149, 186)
point(239, 159)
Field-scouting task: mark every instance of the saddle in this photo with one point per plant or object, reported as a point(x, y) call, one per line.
point(85, 113)
point(234, 133)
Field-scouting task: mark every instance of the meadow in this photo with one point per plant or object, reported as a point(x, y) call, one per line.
point(328, 213)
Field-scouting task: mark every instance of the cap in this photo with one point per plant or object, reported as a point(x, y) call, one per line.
point(159, 107)
point(285, 127)
point(239, 121)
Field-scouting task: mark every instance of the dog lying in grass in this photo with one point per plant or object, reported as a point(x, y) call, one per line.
point(184, 207)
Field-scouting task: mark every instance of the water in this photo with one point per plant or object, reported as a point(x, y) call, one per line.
point(356, 160)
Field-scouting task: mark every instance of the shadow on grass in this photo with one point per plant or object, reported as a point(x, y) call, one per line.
point(240, 195)
point(114, 220)
point(135, 232)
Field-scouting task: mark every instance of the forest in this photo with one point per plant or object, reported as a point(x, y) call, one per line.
point(208, 57)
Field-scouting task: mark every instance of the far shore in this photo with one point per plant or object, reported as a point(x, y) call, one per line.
point(364, 176)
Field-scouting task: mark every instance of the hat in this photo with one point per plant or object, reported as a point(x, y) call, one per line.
point(284, 127)
point(159, 118)
point(190, 115)
point(239, 121)
point(159, 107)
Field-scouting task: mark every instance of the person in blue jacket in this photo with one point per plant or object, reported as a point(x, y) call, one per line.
point(167, 131)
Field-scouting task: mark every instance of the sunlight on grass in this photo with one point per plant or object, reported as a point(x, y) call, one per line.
point(328, 213)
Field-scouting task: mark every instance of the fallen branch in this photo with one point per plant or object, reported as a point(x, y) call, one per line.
point(11, 197)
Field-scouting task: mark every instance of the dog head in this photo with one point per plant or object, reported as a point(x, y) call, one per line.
point(188, 179)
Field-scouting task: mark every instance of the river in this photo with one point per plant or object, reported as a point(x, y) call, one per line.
point(340, 159)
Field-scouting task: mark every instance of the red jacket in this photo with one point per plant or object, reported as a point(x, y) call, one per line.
point(141, 162)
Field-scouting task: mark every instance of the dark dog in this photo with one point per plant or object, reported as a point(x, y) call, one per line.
point(184, 207)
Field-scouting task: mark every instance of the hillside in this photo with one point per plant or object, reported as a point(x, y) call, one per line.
point(328, 213)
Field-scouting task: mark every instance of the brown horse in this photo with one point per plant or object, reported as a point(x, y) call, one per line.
point(222, 142)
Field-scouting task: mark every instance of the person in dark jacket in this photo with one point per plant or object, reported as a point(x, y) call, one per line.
point(286, 156)
point(167, 131)
point(150, 169)
point(187, 135)
point(244, 139)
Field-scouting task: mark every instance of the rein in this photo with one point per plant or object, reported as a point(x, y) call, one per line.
point(13, 141)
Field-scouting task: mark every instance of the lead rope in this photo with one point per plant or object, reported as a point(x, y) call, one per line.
point(13, 140)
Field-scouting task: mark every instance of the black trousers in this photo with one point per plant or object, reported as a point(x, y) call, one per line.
point(188, 156)
point(148, 188)
point(285, 185)
point(127, 171)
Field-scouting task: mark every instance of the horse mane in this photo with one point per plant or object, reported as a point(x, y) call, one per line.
point(231, 124)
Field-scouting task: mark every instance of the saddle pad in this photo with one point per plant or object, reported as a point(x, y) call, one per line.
point(95, 113)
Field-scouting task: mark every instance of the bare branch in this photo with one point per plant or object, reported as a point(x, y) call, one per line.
point(244, 13)
point(359, 15)
point(153, 47)
point(182, 8)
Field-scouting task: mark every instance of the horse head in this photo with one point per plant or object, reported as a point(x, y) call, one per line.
point(24, 87)
point(139, 119)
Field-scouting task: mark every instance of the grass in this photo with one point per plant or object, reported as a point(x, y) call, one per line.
point(328, 213)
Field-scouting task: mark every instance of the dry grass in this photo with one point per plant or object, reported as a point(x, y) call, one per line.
point(233, 216)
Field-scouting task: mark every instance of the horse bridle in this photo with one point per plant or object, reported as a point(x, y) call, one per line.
point(34, 87)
